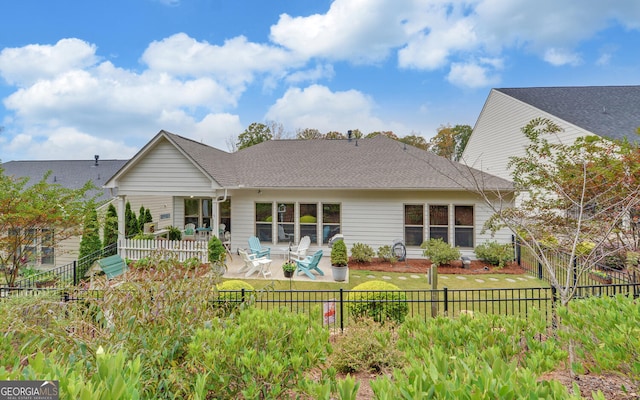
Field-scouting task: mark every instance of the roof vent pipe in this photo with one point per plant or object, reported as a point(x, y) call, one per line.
point(349, 133)
point(96, 157)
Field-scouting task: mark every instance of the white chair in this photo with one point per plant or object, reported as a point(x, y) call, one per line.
point(300, 251)
point(253, 264)
point(283, 236)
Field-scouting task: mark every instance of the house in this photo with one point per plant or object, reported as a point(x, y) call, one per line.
point(607, 111)
point(71, 174)
point(372, 191)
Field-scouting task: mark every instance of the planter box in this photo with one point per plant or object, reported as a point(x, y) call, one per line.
point(604, 280)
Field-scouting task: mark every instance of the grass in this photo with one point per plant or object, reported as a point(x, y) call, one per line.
point(410, 282)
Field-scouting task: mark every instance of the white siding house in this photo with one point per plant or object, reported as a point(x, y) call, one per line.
point(607, 111)
point(364, 189)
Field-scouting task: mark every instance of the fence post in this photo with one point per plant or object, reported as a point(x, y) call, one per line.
point(518, 252)
point(75, 272)
point(446, 301)
point(341, 311)
point(539, 270)
point(575, 273)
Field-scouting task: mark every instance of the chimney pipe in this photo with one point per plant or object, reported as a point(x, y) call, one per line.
point(96, 157)
point(349, 133)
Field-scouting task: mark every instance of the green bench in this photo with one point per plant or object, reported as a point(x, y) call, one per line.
point(112, 266)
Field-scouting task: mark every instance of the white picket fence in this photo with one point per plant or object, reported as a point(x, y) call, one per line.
point(181, 249)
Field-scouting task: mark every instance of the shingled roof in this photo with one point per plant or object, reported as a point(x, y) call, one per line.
point(607, 111)
point(374, 163)
point(71, 174)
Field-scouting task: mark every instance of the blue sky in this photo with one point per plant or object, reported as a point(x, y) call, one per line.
point(79, 77)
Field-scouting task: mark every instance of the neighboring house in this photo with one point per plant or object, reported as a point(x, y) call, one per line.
point(71, 174)
point(372, 191)
point(606, 111)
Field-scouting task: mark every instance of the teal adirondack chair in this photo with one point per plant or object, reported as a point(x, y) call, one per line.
point(257, 249)
point(309, 264)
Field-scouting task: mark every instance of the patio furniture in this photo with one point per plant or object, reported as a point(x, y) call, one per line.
point(300, 251)
point(253, 264)
point(257, 249)
point(189, 232)
point(310, 264)
point(226, 242)
point(283, 236)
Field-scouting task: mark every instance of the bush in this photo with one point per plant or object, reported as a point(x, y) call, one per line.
point(339, 256)
point(386, 253)
point(308, 219)
point(381, 301)
point(361, 252)
point(440, 252)
point(366, 346)
point(217, 252)
point(231, 299)
point(258, 355)
point(495, 253)
point(174, 233)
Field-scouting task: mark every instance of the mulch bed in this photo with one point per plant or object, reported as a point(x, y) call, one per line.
point(422, 266)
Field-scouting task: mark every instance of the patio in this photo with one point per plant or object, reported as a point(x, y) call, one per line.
point(236, 263)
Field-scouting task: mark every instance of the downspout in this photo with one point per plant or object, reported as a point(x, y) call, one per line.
point(216, 219)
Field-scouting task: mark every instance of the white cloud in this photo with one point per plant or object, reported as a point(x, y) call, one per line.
point(24, 66)
point(318, 107)
point(324, 71)
point(50, 144)
point(559, 57)
point(471, 75)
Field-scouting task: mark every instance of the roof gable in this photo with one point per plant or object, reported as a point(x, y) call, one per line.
point(608, 111)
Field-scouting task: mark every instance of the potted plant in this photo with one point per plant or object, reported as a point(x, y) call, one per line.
point(217, 255)
point(289, 268)
point(339, 261)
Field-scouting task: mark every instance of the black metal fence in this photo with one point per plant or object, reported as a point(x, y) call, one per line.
point(566, 270)
point(336, 308)
point(66, 275)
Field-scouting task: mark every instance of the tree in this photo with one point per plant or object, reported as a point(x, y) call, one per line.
point(576, 198)
point(450, 142)
point(254, 134)
point(130, 221)
point(110, 230)
point(28, 211)
point(416, 141)
point(389, 134)
point(334, 135)
point(309, 133)
point(141, 219)
point(90, 244)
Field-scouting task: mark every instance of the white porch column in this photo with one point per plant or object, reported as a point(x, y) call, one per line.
point(121, 209)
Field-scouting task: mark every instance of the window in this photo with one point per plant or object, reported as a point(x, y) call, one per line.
point(439, 223)
point(286, 227)
point(197, 212)
point(47, 247)
point(330, 221)
point(38, 248)
point(309, 221)
point(264, 222)
point(463, 226)
point(413, 224)
point(225, 214)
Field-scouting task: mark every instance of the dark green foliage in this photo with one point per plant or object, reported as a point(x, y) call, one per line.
point(130, 221)
point(361, 252)
point(90, 244)
point(141, 220)
point(384, 302)
point(440, 252)
point(495, 253)
point(174, 233)
point(110, 231)
point(385, 253)
point(217, 252)
point(339, 256)
point(366, 346)
point(254, 134)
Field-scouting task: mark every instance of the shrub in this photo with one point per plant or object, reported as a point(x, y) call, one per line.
point(217, 252)
point(258, 355)
point(440, 252)
point(366, 346)
point(339, 256)
point(361, 252)
point(174, 233)
point(230, 296)
point(143, 236)
point(386, 253)
point(381, 301)
point(191, 263)
point(495, 253)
